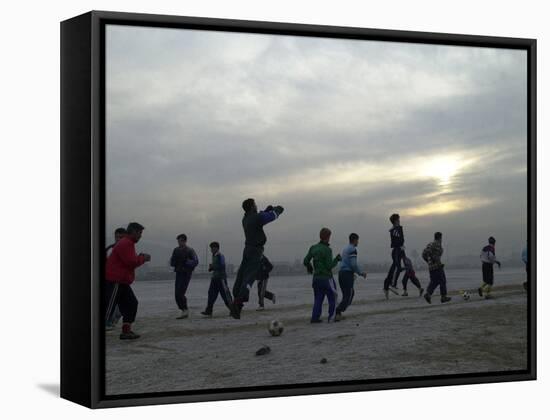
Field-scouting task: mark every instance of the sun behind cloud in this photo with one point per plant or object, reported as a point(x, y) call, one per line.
point(445, 167)
point(444, 206)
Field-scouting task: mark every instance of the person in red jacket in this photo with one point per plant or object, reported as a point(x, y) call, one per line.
point(120, 274)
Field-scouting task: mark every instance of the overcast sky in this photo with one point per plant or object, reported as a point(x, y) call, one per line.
point(342, 133)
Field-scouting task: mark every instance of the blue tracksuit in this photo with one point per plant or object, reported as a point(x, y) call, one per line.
point(218, 283)
point(324, 286)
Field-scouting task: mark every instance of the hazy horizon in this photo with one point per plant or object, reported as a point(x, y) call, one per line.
point(342, 133)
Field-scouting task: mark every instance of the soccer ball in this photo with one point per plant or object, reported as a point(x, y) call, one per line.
point(275, 328)
point(466, 295)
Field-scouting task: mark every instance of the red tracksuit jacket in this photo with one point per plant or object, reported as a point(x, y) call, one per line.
point(122, 262)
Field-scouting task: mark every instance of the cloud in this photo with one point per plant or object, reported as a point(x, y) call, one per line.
point(341, 132)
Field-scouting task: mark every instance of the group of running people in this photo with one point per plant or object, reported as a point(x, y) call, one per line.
point(122, 261)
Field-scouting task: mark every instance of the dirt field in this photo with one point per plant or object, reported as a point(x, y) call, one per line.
point(378, 339)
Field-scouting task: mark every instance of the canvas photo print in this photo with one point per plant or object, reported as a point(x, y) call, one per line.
point(292, 210)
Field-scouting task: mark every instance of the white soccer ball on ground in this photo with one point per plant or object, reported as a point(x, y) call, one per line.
point(466, 295)
point(275, 328)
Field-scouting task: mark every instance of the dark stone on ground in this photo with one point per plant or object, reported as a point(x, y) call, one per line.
point(263, 350)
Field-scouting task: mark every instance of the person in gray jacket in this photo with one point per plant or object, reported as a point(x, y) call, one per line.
point(184, 260)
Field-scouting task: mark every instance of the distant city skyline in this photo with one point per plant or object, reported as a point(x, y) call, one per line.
point(342, 133)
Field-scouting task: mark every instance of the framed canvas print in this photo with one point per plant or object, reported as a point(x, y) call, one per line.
point(256, 209)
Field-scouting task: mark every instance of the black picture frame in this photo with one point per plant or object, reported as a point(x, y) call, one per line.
point(83, 204)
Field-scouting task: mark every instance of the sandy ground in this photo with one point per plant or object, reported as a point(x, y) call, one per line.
point(378, 339)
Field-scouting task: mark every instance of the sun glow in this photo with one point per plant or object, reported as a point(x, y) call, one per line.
point(443, 206)
point(439, 173)
point(443, 168)
point(364, 176)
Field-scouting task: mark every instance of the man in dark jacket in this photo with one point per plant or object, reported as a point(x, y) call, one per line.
point(263, 276)
point(255, 239)
point(184, 260)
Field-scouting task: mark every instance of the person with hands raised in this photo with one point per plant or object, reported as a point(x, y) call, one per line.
point(253, 225)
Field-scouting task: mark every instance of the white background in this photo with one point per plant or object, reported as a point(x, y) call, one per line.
point(29, 175)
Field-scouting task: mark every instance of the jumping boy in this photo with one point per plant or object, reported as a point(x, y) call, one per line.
point(323, 283)
point(218, 281)
point(255, 239)
point(397, 246)
point(346, 275)
point(488, 259)
point(120, 274)
point(432, 255)
point(184, 260)
point(263, 276)
point(410, 275)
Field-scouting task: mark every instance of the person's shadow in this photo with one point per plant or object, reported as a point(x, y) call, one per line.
point(52, 389)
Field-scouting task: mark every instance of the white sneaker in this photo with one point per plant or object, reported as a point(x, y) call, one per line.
point(184, 314)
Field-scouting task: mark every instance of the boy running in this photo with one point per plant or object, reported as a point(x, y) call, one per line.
point(410, 275)
point(397, 246)
point(323, 283)
point(255, 239)
point(346, 275)
point(184, 260)
point(432, 255)
point(218, 281)
point(488, 258)
point(120, 274)
point(263, 276)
